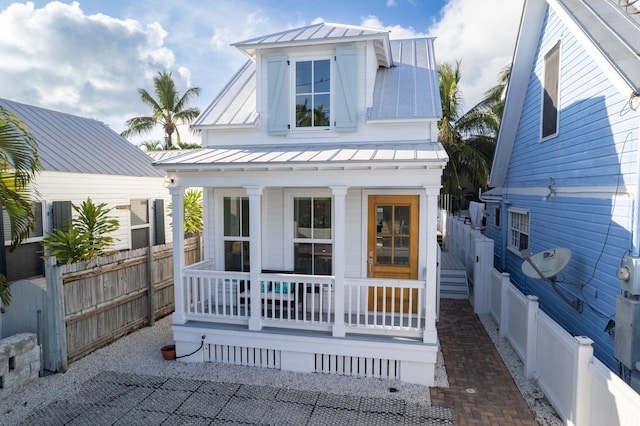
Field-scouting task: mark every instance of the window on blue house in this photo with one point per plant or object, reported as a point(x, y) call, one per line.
point(236, 234)
point(518, 229)
point(550, 92)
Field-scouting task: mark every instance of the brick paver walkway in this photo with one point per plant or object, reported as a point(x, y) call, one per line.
point(482, 391)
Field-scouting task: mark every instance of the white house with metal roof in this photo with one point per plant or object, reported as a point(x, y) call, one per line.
point(83, 158)
point(321, 171)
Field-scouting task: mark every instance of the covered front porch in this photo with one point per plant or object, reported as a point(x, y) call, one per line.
point(353, 292)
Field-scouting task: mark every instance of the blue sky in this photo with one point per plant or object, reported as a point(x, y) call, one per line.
point(90, 57)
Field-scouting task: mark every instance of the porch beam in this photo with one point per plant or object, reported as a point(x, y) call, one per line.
point(431, 226)
point(177, 215)
point(339, 241)
point(255, 254)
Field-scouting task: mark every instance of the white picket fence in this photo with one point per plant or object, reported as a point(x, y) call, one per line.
point(580, 387)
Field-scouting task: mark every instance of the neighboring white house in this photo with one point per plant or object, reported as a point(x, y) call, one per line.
point(85, 158)
point(321, 171)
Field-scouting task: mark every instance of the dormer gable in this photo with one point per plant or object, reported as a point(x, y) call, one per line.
point(320, 34)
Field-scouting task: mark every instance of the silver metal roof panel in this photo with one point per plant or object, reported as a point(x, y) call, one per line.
point(236, 104)
point(308, 155)
point(614, 31)
point(68, 143)
point(409, 89)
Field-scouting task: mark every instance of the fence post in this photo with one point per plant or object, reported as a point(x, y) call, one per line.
point(582, 381)
point(150, 287)
point(57, 328)
point(505, 280)
point(532, 336)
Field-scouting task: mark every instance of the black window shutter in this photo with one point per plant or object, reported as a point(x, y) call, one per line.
point(62, 215)
point(158, 217)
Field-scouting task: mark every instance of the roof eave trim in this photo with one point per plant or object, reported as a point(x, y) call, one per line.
point(250, 49)
point(294, 166)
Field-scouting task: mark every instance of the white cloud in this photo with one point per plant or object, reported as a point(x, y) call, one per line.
point(482, 34)
point(57, 57)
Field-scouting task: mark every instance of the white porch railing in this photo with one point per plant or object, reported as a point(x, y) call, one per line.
point(306, 302)
point(403, 313)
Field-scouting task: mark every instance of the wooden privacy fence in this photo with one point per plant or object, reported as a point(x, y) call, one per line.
point(94, 303)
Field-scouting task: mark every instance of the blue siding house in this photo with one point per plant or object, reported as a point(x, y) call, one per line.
point(565, 172)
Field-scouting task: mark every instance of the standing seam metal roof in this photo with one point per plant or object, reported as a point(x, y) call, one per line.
point(308, 155)
point(68, 143)
point(407, 90)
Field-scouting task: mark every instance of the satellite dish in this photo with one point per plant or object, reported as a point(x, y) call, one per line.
point(546, 264)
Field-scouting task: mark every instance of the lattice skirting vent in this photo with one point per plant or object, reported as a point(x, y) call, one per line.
point(357, 366)
point(240, 355)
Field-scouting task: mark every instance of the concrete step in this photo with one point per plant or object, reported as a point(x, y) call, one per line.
point(453, 284)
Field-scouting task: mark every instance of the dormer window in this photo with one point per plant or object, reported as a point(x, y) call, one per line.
point(313, 93)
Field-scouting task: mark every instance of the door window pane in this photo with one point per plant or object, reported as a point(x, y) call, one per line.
point(392, 234)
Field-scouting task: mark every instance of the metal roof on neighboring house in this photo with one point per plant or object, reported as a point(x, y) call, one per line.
point(68, 143)
point(614, 31)
point(318, 155)
point(408, 89)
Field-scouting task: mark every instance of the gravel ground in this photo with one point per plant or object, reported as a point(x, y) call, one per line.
point(537, 402)
point(139, 353)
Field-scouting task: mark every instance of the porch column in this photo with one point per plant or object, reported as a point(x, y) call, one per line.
point(177, 215)
point(255, 253)
point(339, 240)
point(429, 217)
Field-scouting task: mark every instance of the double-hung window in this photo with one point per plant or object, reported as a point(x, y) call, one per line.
point(313, 93)
point(236, 234)
point(140, 224)
point(312, 235)
point(518, 229)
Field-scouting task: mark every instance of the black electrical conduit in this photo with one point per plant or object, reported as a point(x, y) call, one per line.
point(201, 346)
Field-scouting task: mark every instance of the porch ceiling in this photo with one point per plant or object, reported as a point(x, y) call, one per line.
point(410, 154)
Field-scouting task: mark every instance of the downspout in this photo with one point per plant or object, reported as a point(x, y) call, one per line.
point(504, 222)
point(635, 249)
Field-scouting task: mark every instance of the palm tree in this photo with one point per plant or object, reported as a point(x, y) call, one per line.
point(468, 138)
point(168, 109)
point(19, 164)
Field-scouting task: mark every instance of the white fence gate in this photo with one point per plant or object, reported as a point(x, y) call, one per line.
point(26, 313)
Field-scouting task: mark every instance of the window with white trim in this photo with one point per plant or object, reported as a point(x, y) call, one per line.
point(496, 213)
point(312, 235)
point(313, 93)
point(518, 229)
point(550, 93)
point(36, 234)
point(236, 234)
point(140, 223)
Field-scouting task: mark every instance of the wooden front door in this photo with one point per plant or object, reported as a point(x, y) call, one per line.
point(392, 248)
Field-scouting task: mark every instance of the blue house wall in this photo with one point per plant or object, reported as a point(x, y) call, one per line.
point(592, 166)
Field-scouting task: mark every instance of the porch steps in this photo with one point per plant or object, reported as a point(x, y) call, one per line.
point(453, 284)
